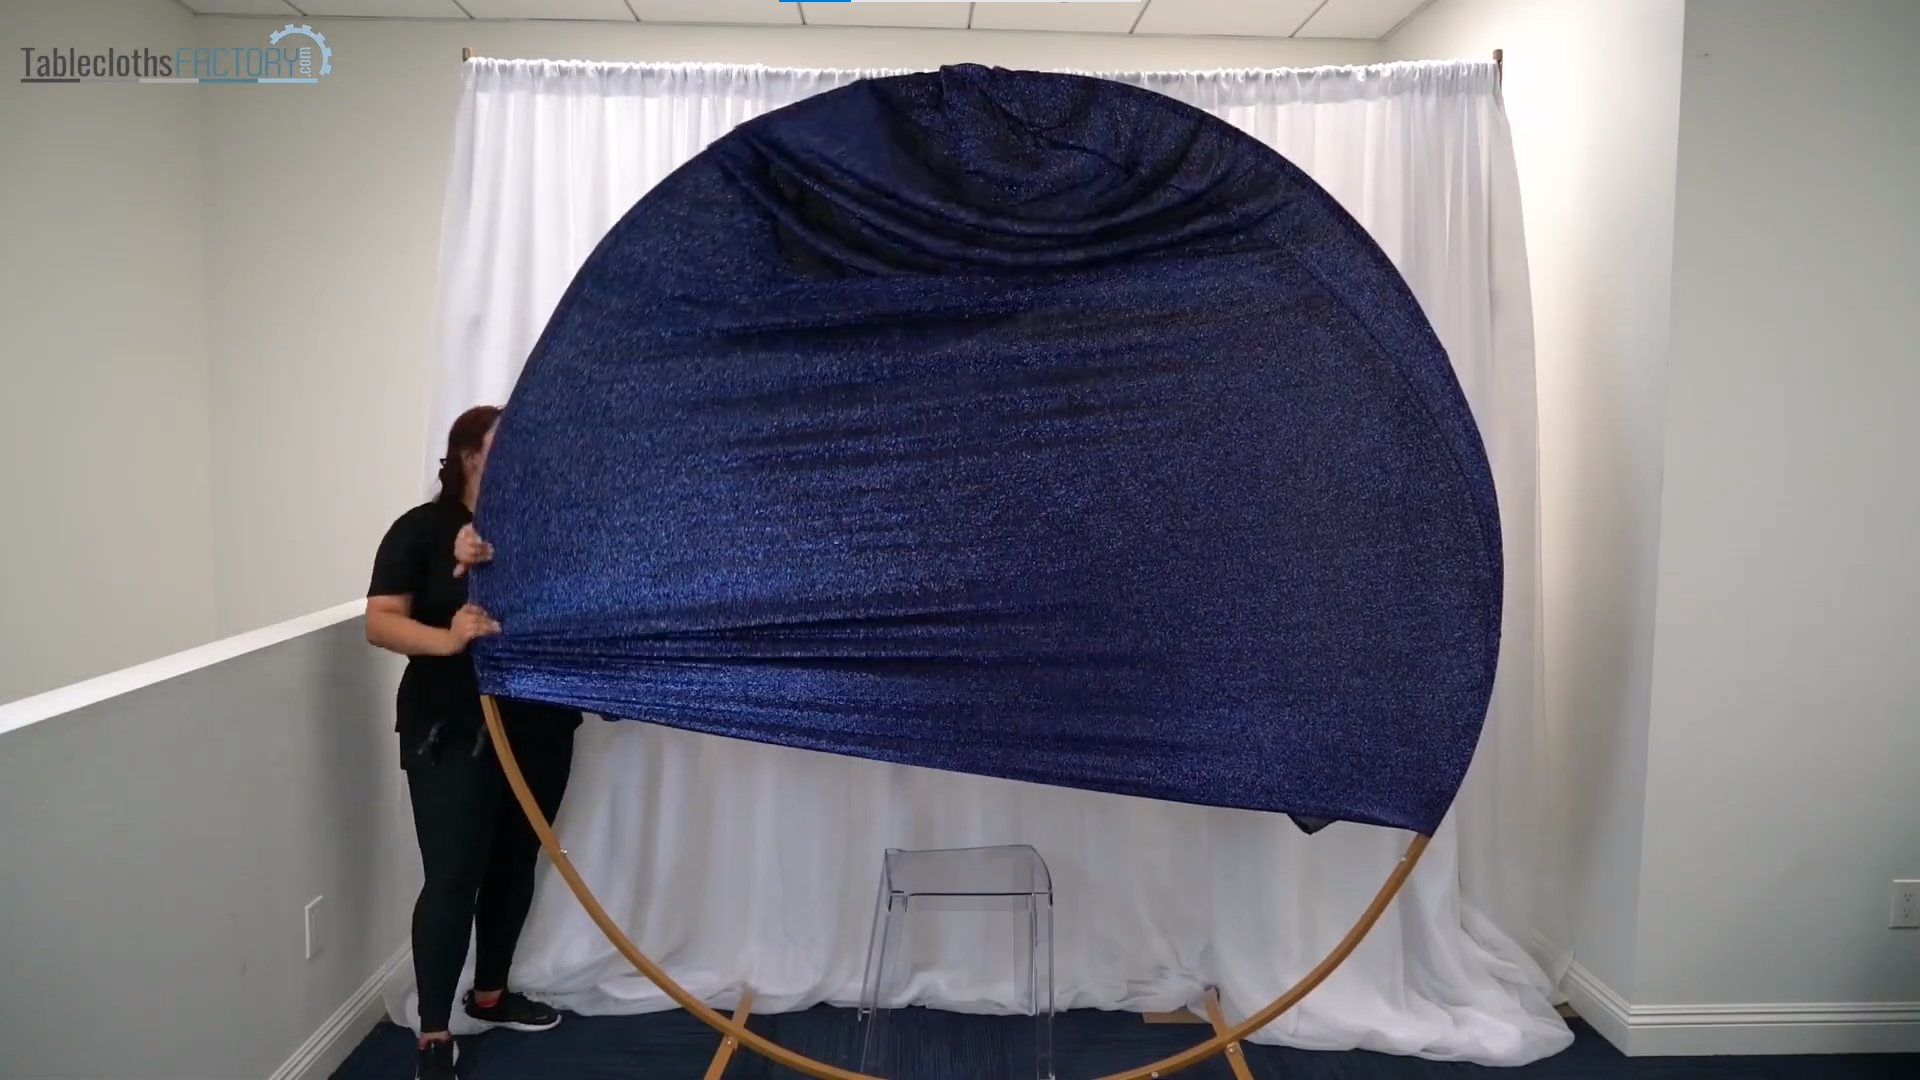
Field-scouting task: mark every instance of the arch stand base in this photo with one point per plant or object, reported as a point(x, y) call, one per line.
point(733, 1029)
point(1236, 1060)
point(728, 1043)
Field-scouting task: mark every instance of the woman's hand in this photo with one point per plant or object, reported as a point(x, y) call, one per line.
point(469, 622)
point(469, 549)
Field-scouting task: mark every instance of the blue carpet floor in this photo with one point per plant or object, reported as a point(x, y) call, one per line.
point(673, 1045)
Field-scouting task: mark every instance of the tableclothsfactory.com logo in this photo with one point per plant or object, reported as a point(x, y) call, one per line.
point(295, 54)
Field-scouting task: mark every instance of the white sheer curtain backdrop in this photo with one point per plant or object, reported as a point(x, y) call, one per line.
point(741, 865)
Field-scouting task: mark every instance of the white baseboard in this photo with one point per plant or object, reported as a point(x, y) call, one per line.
point(1701, 1030)
point(326, 1048)
point(1599, 1006)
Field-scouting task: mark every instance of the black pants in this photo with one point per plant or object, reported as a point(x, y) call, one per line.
point(479, 855)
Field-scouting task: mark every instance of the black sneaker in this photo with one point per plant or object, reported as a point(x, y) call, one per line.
point(435, 1060)
point(515, 1011)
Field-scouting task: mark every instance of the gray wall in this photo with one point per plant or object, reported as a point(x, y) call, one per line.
point(1781, 796)
point(160, 847)
point(105, 407)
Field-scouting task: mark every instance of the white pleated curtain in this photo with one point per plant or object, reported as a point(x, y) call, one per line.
point(743, 865)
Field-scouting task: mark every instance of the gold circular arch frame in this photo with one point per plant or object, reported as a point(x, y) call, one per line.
point(736, 1029)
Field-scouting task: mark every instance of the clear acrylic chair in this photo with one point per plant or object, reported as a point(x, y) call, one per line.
point(1012, 879)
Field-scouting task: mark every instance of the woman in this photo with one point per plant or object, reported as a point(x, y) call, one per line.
point(476, 848)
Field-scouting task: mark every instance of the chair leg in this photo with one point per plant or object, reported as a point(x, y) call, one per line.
point(1033, 955)
point(887, 960)
point(1043, 984)
point(881, 909)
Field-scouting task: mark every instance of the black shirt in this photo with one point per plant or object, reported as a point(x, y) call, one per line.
point(439, 699)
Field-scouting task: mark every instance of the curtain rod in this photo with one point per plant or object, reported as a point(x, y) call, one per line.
point(1499, 62)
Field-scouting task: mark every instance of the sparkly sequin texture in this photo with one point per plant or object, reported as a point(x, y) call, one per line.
point(1018, 424)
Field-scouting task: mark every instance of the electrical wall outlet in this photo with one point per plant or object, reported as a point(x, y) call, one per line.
point(313, 927)
point(1906, 905)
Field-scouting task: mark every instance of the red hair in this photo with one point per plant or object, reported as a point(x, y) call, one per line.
point(466, 436)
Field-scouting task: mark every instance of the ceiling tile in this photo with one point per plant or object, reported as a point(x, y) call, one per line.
point(382, 9)
point(751, 12)
point(1367, 19)
point(1226, 18)
point(938, 15)
point(591, 10)
point(240, 7)
point(1107, 18)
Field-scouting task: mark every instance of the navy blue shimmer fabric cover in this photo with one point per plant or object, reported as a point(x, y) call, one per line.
point(1018, 424)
